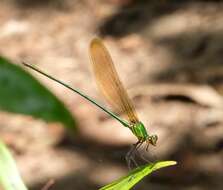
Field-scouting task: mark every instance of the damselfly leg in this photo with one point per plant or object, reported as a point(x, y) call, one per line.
point(133, 152)
point(130, 156)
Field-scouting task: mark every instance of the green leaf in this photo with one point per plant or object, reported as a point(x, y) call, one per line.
point(21, 93)
point(136, 175)
point(9, 176)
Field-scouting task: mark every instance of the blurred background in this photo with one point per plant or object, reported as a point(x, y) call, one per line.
point(168, 54)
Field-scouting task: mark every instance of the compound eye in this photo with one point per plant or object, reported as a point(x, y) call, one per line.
point(154, 139)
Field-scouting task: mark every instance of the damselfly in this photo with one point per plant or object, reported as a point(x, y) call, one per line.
point(114, 92)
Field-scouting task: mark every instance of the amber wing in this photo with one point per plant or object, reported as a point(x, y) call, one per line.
point(109, 82)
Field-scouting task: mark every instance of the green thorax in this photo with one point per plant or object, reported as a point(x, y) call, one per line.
point(139, 130)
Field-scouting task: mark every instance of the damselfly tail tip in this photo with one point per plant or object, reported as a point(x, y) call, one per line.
point(29, 66)
point(25, 64)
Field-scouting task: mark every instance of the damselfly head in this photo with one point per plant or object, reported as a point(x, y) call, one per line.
point(152, 139)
